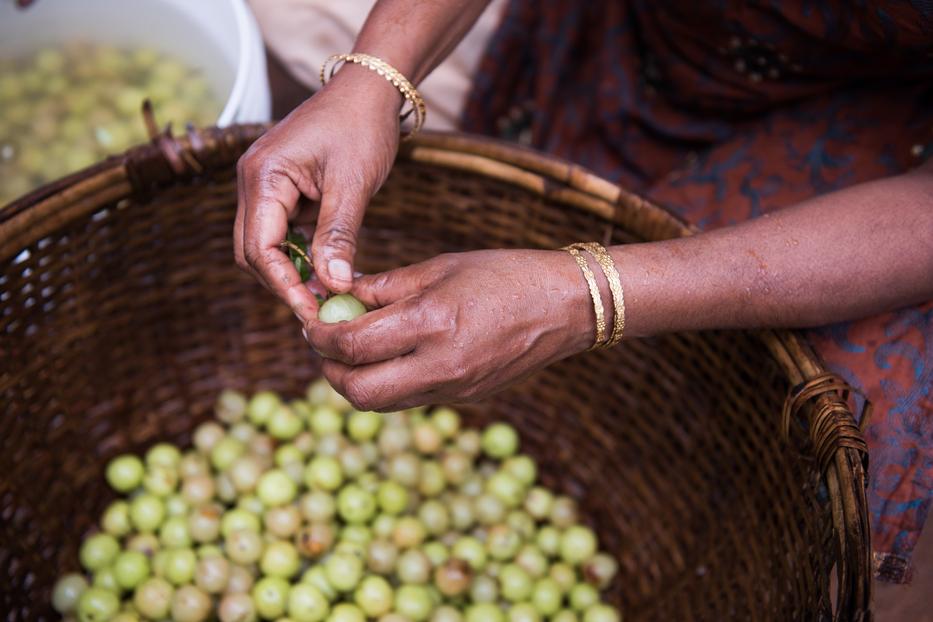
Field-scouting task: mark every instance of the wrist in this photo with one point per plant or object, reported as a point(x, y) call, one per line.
point(580, 317)
point(367, 86)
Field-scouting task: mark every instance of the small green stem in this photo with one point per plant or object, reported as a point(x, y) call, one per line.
point(294, 247)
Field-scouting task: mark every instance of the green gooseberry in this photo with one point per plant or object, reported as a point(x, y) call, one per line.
point(355, 505)
point(323, 473)
point(506, 488)
point(515, 583)
point(522, 468)
point(547, 596)
point(524, 612)
point(582, 596)
point(164, 455)
point(97, 604)
point(316, 576)
point(226, 451)
point(414, 602)
point(484, 612)
point(98, 551)
point(174, 533)
point(275, 488)
point(601, 613)
point(470, 550)
point(130, 569)
point(500, 440)
point(343, 570)
point(153, 598)
point(346, 612)
point(325, 420)
point(116, 519)
point(261, 406)
point(577, 545)
point(180, 565)
point(374, 596)
point(283, 424)
point(67, 591)
point(363, 426)
point(270, 595)
point(447, 421)
point(306, 603)
point(125, 473)
point(280, 559)
point(340, 308)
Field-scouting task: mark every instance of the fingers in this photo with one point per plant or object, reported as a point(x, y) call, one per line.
point(379, 335)
point(268, 194)
point(386, 288)
point(389, 385)
point(334, 244)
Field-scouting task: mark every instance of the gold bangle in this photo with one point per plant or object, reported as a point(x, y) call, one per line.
point(390, 73)
point(594, 294)
point(604, 259)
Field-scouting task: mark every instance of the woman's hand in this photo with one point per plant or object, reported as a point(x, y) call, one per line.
point(457, 327)
point(336, 148)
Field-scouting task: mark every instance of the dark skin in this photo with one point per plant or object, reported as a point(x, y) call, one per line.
point(460, 327)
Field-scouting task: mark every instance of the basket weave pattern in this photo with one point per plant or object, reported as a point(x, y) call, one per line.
point(122, 315)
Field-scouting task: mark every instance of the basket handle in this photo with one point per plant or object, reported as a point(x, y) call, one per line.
point(199, 151)
point(821, 399)
point(832, 425)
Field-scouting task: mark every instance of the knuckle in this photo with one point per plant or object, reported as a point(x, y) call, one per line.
point(471, 394)
point(347, 346)
point(442, 263)
point(249, 160)
point(268, 170)
point(456, 369)
point(341, 235)
point(382, 281)
point(441, 319)
point(423, 314)
point(360, 395)
point(251, 254)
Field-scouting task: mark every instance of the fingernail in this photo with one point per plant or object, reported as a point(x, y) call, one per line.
point(340, 270)
point(304, 333)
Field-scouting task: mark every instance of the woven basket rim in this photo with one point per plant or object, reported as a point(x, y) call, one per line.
point(167, 159)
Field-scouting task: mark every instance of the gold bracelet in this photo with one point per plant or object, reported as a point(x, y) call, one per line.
point(594, 294)
point(390, 73)
point(604, 259)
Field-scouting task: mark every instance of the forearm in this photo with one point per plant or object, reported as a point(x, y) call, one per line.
point(844, 255)
point(414, 36)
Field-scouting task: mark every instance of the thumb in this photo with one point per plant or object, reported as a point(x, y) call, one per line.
point(334, 245)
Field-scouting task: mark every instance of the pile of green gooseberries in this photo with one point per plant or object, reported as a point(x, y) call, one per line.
point(68, 107)
point(310, 511)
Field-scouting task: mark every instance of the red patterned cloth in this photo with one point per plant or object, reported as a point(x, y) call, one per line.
point(724, 111)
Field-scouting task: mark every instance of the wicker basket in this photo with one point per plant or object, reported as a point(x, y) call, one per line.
point(122, 314)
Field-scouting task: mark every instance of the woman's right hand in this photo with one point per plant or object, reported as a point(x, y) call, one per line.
point(337, 149)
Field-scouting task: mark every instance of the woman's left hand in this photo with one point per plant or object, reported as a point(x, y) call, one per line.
point(457, 327)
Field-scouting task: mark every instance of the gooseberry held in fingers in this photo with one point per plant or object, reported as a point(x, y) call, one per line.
point(339, 308)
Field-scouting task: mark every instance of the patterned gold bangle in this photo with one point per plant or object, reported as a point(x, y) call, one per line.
point(594, 294)
point(390, 73)
point(604, 259)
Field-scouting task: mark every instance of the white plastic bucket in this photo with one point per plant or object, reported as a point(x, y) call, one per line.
point(220, 37)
